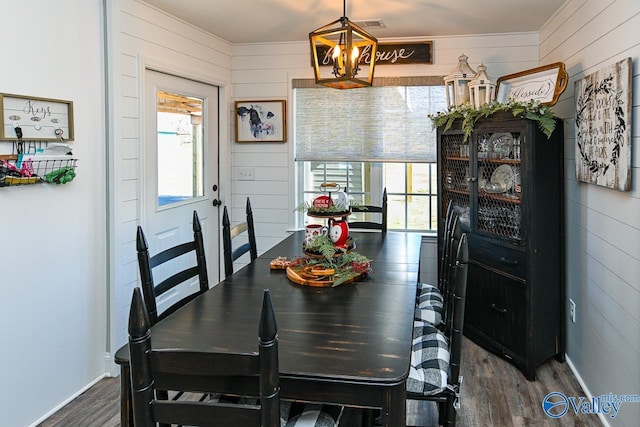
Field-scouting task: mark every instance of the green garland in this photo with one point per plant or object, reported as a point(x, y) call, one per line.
point(469, 115)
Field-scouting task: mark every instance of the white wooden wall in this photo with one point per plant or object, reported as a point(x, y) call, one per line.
point(144, 36)
point(603, 225)
point(265, 70)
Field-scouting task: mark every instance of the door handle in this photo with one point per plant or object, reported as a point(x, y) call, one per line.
point(216, 202)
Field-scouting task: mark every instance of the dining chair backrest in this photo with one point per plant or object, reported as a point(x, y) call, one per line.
point(191, 371)
point(449, 274)
point(459, 297)
point(447, 231)
point(230, 233)
point(457, 279)
point(381, 211)
point(169, 259)
point(445, 251)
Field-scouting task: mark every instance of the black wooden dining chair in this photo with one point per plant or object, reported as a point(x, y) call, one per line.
point(174, 369)
point(444, 252)
point(380, 211)
point(187, 372)
point(191, 253)
point(230, 233)
point(431, 300)
point(434, 373)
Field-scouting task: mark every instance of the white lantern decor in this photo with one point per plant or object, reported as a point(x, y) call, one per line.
point(482, 90)
point(457, 83)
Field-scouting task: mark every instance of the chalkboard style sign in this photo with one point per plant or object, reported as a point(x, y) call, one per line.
point(389, 54)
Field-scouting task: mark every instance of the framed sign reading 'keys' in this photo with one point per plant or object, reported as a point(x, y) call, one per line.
point(39, 119)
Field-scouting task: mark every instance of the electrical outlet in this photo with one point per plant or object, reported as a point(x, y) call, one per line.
point(246, 174)
point(572, 310)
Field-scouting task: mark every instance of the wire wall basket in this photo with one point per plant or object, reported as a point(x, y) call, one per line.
point(59, 170)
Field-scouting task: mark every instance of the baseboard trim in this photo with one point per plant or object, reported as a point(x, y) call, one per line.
point(68, 400)
point(588, 394)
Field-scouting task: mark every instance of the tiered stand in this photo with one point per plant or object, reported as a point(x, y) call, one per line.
point(304, 271)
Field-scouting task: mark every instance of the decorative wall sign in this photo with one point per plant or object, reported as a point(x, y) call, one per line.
point(39, 119)
point(261, 121)
point(603, 127)
point(544, 84)
point(390, 54)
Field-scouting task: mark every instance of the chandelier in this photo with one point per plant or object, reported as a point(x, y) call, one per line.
point(343, 54)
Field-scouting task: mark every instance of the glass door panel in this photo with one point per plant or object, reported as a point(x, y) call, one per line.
point(180, 151)
point(499, 184)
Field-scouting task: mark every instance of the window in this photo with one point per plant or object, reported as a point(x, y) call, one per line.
point(370, 139)
point(180, 151)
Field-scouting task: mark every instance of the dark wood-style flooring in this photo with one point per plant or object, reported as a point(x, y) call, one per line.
point(494, 393)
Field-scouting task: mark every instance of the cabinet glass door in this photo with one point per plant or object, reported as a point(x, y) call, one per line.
point(456, 175)
point(499, 184)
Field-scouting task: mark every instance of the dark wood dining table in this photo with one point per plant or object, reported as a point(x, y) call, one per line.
point(348, 345)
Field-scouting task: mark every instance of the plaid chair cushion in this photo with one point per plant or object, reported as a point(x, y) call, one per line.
point(429, 368)
point(299, 414)
point(429, 304)
point(294, 414)
point(425, 287)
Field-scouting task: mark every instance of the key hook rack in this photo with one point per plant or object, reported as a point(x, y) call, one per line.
point(38, 129)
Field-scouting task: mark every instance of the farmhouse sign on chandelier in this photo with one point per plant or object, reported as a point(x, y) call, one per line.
point(603, 127)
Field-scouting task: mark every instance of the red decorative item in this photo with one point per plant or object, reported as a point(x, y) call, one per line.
point(322, 202)
point(338, 231)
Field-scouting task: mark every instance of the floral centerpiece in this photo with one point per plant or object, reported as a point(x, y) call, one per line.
point(469, 115)
point(333, 265)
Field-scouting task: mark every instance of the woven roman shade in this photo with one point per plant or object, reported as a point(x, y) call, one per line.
point(384, 123)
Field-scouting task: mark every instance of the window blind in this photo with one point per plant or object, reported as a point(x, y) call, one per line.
point(384, 123)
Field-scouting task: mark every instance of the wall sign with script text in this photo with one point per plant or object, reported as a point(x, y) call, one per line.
point(389, 54)
point(603, 126)
point(39, 119)
point(544, 84)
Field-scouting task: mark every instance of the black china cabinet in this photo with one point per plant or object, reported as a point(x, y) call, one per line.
point(506, 184)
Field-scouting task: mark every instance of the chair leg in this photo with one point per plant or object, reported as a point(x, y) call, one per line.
point(442, 413)
point(450, 412)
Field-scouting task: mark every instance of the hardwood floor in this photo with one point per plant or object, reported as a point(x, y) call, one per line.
point(494, 393)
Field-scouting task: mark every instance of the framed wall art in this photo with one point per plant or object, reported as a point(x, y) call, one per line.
point(603, 126)
point(39, 119)
point(544, 84)
point(261, 121)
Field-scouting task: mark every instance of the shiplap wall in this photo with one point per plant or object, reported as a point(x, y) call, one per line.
point(141, 36)
point(602, 225)
point(265, 70)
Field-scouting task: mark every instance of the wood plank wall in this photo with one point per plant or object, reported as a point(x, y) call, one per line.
point(265, 70)
point(145, 36)
point(602, 225)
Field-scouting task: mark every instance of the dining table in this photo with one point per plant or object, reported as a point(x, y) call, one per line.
point(348, 345)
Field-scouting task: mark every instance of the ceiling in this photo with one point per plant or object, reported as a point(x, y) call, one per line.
point(255, 21)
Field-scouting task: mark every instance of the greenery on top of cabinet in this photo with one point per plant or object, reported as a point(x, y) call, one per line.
point(469, 115)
